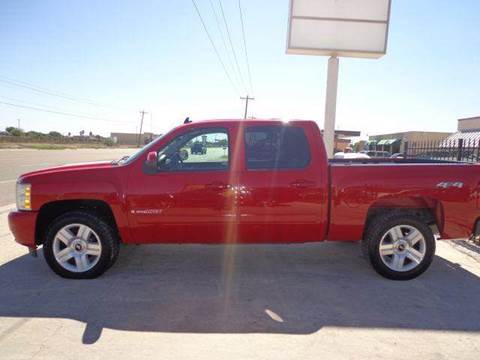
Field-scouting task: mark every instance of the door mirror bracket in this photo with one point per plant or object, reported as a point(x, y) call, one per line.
point(151, 163)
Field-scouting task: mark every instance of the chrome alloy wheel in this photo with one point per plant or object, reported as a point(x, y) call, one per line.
point(402, 248)
point(77, 247)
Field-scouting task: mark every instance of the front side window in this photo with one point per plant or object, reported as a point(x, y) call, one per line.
point(276, 147)
point(205, 149)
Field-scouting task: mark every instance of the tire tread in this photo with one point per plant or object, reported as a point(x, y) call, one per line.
point(108, 237)
point(377, 228)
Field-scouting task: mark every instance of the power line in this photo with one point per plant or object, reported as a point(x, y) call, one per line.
point(224, 42)
point(47, 107)
point(231, 43)
point(245, 45)
point(44, 91)
point(59, 112)
point(214, 47)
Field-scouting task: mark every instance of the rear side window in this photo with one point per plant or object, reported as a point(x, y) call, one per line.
point(276, 147)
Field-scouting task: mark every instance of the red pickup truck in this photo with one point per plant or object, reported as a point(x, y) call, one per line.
point(261, 181)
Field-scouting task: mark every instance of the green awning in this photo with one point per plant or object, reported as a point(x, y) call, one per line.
point(387, 141)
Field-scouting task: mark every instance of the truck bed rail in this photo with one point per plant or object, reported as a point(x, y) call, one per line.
point(393, 161)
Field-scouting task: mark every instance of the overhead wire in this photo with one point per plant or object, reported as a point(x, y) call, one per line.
point(231, 44)
point(36, 108)
point(224, 42)
point(245, 46)
point(48, 107)
point(44, 91)
point(214, 46)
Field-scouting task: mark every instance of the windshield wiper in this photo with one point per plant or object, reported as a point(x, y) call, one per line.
point(123, 158)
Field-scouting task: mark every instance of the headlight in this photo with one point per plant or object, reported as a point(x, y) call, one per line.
point(24, 196)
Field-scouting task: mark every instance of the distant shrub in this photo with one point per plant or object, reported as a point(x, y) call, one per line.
point(55, 134)
point(108, 142)
point(35, 134)
point(14, 131)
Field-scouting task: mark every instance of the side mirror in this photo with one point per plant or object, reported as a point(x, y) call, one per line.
point(152, 160)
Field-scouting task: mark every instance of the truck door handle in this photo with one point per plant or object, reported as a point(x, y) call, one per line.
point(217, 185)
point(302, 184)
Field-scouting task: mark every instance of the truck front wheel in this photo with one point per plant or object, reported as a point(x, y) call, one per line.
point(79, 245)
point(399, 246)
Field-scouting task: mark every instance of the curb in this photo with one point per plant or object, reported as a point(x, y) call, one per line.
point(7, 208)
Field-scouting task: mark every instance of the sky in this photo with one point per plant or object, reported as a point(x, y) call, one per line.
point(117, 57)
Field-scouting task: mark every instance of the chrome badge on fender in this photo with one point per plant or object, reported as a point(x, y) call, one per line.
point(450, 184)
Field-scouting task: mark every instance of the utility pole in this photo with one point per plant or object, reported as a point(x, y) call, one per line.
point(143, 112)
point(246, 104)
point(18, 121)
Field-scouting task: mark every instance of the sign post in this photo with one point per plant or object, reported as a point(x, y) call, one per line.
point(330, 105)
point(336, 28)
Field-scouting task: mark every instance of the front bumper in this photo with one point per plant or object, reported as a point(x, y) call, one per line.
point(22, 225)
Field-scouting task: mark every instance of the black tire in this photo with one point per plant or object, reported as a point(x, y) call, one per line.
point(107, 236)
point(115, 253)
point(378, 228)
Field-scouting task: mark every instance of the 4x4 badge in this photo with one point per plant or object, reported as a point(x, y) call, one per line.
point(449, 184)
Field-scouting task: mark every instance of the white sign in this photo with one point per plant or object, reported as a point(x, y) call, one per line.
point(354, 28)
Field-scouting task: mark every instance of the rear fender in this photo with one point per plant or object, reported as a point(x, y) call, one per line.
point(429, 210)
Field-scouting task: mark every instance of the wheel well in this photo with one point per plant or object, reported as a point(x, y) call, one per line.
point(50, 211)
point(426, 215)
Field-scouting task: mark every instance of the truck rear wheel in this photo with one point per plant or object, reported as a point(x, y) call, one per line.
point(79, 245)
point(399, 246)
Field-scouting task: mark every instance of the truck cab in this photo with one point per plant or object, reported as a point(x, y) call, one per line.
point(258, 183)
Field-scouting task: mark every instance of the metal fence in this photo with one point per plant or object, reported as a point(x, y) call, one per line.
point(457, 150)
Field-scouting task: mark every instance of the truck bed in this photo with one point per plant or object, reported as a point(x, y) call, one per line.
point(449, 189)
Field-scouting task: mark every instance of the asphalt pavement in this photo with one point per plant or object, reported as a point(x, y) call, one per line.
point(317, 301)
point(14, 162)
point(306, 301)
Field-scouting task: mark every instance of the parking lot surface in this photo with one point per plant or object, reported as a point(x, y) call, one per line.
point(317, 301)
point(14, 162)
point(309, 301)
